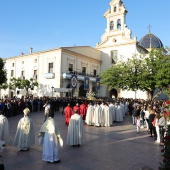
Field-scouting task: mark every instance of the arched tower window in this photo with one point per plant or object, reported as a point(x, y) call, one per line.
point(118, 24)
point(111, 25)
point(115, 9)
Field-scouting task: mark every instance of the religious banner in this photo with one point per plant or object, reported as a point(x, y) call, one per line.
point(74, 81)
point(86, 83)
point(98, 83)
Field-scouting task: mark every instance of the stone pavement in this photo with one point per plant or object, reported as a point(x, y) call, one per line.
point(118, 147)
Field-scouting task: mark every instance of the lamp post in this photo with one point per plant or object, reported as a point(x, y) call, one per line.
point(52, 90)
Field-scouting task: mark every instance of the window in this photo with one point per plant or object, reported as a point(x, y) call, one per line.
point(12, 73)
point(35, 72)
point(84, 70)
point(115, 9)
point(12, 64)
point(35, 60)
point(22, 73)
point(114, 56)
point(111, 25)
point(22, 62)
point(35, 75)
point(94, 72)
point(118, 24)
point(70, 67)
point(50, 67)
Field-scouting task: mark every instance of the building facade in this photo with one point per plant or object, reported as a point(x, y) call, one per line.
point(53, 69)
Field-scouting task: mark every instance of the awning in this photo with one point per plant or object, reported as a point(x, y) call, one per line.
point(63, 90)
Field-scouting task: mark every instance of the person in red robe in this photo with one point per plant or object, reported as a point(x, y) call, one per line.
point(76, 107)
point(68, 112)
point(83, 110)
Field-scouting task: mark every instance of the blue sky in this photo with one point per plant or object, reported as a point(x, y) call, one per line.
point(47, 24)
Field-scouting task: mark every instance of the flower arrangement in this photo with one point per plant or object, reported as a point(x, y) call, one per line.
point(90, 95)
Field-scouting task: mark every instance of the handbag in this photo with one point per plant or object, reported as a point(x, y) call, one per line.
point(154, 122)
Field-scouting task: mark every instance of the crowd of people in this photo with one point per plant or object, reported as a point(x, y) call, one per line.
point(77, 112)
point(145, 114)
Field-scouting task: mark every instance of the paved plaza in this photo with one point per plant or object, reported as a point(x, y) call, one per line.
point(118, 147)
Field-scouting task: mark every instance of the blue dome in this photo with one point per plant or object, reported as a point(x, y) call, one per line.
point(150, 41)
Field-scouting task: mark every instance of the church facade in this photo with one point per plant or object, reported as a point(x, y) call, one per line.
point(55, 69)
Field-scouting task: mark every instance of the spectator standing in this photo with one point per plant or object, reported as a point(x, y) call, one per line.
point(46, 110)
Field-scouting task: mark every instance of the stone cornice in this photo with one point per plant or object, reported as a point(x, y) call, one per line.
point(81, 56)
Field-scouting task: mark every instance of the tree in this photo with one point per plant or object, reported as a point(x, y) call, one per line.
point(156, 70)
point(29, 84)
point(15, 83)
point(124, 75)
point(143, 73)
point(3, 73)
point(22, 83)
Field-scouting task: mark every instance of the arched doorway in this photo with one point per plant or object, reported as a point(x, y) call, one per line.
point(82, 92)
point(113, 93)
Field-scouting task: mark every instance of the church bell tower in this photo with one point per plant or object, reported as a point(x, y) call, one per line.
point(116, 23)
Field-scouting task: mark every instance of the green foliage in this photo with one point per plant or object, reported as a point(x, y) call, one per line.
point(156, 71)
point(123, 75)
point(29, 84)
point(166, 152)
point(4, 86)
point(22, 83)
point(144, 73)
point(3, 73)
point(15, 83)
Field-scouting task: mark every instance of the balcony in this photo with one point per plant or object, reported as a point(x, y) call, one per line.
point(80, 76)
point(49, 75)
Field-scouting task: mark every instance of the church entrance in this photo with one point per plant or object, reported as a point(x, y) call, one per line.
point(82, 92)
point(113, 93)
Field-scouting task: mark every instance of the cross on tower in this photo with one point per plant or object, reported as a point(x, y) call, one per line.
point(149, 28)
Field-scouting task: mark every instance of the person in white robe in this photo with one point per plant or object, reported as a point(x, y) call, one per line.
point(126, 108)
point(97, 115)
point(122, 106)
point(75, 135)
point(2, 146)
point(89, 114)
point(49, 136)
point(106, 116)
point(119, 113)
point(112, 111)
point(4, 129)
point(25, 134)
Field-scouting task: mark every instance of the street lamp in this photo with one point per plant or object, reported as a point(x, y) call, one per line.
point(52, 90)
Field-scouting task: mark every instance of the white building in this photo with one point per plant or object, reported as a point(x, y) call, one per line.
point(55, 67)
